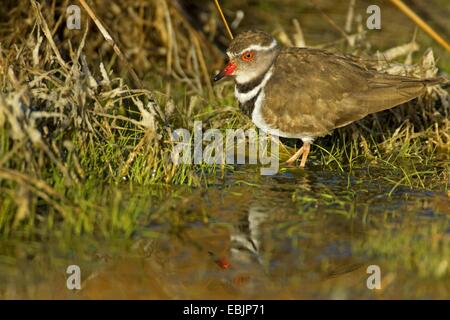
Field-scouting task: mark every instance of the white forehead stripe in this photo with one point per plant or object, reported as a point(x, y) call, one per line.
point(256, 47)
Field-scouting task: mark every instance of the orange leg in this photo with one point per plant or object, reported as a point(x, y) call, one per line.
point(292, 159)
point(306, 148)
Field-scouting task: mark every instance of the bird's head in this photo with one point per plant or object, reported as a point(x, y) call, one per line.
point(250, 55)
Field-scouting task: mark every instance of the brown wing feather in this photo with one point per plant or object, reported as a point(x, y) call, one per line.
point(312, 91)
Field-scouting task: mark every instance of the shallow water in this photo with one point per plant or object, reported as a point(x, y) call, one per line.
point(300, 234)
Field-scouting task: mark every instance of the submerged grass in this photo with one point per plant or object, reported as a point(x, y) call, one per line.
point(73, 132)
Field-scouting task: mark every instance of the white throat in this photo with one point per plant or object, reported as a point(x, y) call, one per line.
point(243, 78)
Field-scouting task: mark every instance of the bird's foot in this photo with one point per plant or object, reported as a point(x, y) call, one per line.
point(297, 155)
point(307, 148)
point(304, 152)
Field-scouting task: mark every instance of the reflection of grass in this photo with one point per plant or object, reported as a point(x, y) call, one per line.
point(418, 249)
point(404, 232)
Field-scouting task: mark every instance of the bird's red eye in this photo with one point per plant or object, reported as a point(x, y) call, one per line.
point(248, 56)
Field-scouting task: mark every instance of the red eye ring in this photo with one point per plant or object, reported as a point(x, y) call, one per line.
point(248, 56)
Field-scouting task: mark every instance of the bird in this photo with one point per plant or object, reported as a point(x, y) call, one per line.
point(306, 93)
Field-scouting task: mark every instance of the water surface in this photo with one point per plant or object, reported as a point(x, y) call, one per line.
point(300, 234)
